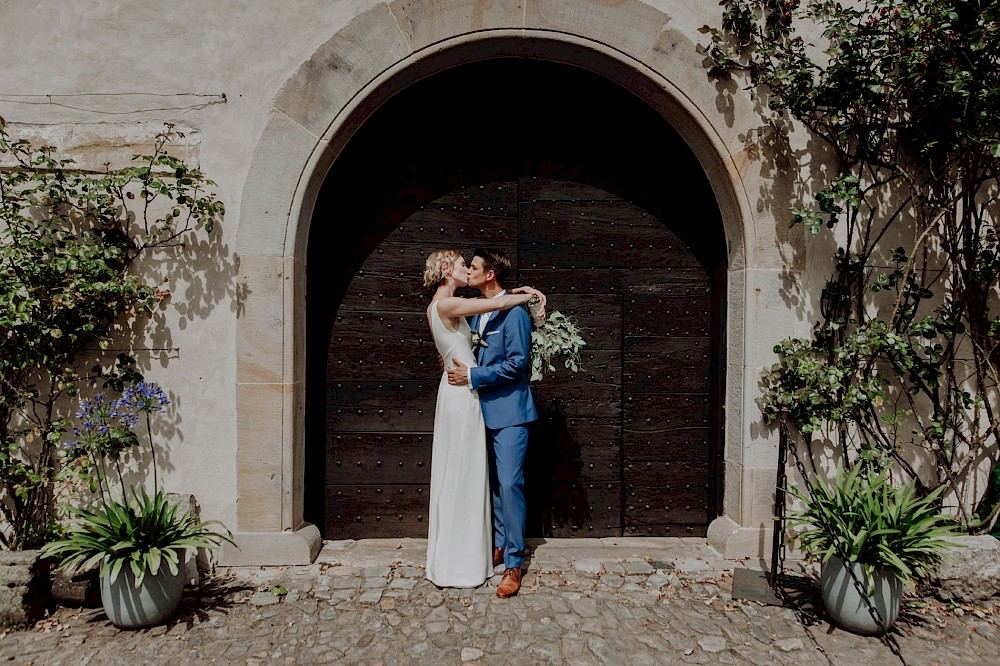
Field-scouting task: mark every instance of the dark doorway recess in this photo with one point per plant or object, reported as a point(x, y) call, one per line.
point(599, 203)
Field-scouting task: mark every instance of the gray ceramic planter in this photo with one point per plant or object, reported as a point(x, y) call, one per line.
point(852, 608)
point(155, 600)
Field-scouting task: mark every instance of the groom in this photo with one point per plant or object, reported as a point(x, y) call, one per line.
point(502, 381)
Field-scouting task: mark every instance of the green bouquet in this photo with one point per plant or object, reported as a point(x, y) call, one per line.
point(554, 339)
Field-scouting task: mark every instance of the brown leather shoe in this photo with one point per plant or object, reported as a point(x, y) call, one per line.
point(497, 557)
point(509, 584)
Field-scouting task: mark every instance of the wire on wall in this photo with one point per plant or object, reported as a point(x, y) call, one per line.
point(195, 101)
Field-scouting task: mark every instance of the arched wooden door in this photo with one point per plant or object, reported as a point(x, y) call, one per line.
point(627, 446)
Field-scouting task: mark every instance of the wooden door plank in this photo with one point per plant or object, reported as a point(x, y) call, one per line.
point(681, 444)
point(386, 293)
point(378, 458)
point(598, 367)
point(660, 412)
point(408, 259)
point(360, 511)
point(549, 189)
point(393, 332)
point(374, 406)
point(668, 381)
point(557, 279)
point(669, 530)
point(496, 197)
point(582, 509)
point(580, 399)
point(463, 229)
point(676, 351)
point(667, 476)
point(656, 316)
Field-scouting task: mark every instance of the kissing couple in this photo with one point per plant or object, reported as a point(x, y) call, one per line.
point(484, 406)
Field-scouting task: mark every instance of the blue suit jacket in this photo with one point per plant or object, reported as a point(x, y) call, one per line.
point(504, 369)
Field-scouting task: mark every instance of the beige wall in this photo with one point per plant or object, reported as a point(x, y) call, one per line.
point(101, 78)
point(97, 76)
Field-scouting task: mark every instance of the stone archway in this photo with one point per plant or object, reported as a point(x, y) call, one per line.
point(379, 53)
point(599, 203)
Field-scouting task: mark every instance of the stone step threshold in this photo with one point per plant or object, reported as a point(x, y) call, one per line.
point(644, 565)
point(688, 555)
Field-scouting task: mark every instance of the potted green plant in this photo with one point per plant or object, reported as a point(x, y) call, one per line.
point(138, 540)
point(873, 538)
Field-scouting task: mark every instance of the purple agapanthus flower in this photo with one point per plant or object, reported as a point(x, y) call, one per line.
point(129, 419)
point(105, 429)
point(96, 416)
point(144, 397)
point(106, 426)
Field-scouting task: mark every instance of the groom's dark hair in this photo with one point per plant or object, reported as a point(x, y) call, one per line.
point(496, 261)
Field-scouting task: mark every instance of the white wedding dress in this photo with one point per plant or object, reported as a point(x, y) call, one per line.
point(459, 527)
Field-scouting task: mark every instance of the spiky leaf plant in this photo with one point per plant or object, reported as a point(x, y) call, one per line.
point(145, 534)
point(864, 518)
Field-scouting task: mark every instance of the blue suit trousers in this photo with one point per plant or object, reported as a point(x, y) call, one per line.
point(506, 449)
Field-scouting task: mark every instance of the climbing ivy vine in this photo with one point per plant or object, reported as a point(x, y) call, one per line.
point(69, 244)
point(905, 94)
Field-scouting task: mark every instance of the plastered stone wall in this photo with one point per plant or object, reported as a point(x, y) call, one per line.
point(269, 93)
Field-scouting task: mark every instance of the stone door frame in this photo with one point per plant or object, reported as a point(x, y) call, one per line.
point(377, 54)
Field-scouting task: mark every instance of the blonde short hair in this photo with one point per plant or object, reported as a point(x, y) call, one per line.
point(439, 265)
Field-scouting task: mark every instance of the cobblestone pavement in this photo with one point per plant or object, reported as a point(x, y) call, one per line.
point(584, 601)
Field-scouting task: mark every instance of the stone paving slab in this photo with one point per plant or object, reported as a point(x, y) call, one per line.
point(606, 601)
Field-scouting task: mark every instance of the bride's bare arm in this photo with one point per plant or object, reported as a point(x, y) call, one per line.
point(456, 306)
point(531, 291)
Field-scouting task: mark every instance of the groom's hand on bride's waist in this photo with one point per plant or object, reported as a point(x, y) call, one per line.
point(459, 374)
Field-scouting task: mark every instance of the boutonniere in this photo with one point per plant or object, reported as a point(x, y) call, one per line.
point(477, 341)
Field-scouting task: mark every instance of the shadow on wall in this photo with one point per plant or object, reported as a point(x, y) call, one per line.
point(196, 276)
point(786, 160)
point(556, 496)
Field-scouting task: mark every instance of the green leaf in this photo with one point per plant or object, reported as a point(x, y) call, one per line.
point(116, 566)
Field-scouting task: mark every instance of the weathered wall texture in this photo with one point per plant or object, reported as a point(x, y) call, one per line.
point(100, 78)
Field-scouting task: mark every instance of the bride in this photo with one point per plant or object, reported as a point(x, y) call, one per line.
point(459, 536)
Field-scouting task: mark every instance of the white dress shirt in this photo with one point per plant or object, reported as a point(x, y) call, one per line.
point(483, 318)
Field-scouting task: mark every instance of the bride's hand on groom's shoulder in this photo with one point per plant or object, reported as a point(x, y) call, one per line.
point(531, 291)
